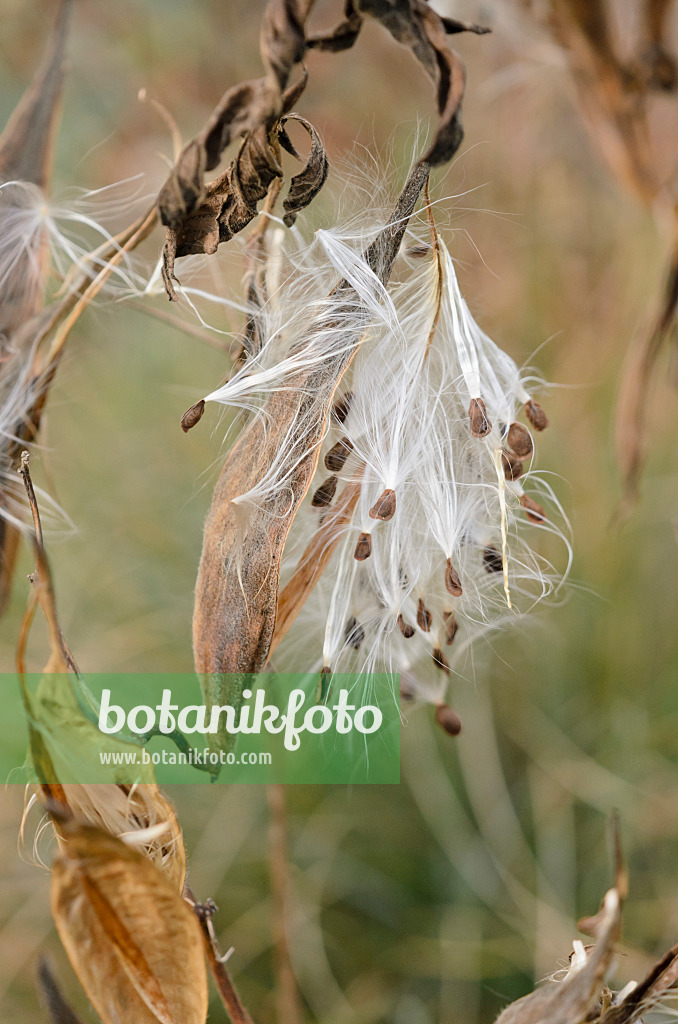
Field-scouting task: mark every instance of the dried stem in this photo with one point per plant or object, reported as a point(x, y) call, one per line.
point(217, 961)
point(287, 994)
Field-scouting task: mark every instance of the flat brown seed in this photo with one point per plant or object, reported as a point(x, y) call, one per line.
point(341, 407)
point(336, 456)
point(477, 414)
point(192, 416)
point(492, 559)
point(519, 441)
point(452, 581)
point(405, 628)
point(324, 494)
point(451, 626)
point(536, 415)
point(535, 513)
point(385, 506)
point(418, 251)
point(512, 466)
point(363, 548)
point(424, 618)
point(440, 661)
point(354, 634)
point(448, 719)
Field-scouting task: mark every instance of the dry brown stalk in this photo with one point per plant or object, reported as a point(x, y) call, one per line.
point(287, 994)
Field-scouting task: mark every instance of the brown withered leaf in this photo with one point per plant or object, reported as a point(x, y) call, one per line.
point(344, 35)
point(304, 186)
point(132, 940)
point(237, 587)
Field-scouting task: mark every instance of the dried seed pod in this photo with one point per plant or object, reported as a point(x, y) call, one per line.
point(451, 626)
point(405, 628)
point(363, 548)
point(424, 617)
point(477, 414)
point(448, 719)
point(192, 416)
point(337, 455)
point(341, 407)
point(324, 684)
point(512, 465)
point(519, 441)
point(492, 559)
point(324, 494)
point(452, 581)
point(535, 513)
point(536, 415)
point(354, 633)
point(385, 506)
point(134, 943)
point(440, 661)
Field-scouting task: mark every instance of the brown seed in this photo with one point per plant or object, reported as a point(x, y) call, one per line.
point(519, 441)
point(424, 618)
point(405, 628)
point(451, 626)
point(354, 634)
point(492, 559)
point(363, 548)
point(448, 719)
point(480, 425)
point(452, 581)
point(418, 251)
point(324, 494)
point(535, 513)
point(536, 415)
point(192, 416)
point(385, 506)
point(512, 466)
point(341, 407)
point(440, 660)
point(336, 456)
point(324, 684)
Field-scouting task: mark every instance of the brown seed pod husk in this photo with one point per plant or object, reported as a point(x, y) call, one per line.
point(385, 506)
point(192, 416)
point(363, 548)
point(133, 941)
point(440, 661)
point(535, 513)
point(324, 494)
point(405, 628)
point(424, 617)
point(451, 626)
point(354, 633)
point(342, 407)
point(492, 559)
point(536, 415)
point(448, 719)
point(452, 581)
point(519, 441)
point(477, 414)
point(337, 455)
point(512, 465)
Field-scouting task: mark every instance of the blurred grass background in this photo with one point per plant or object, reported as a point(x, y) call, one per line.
point(444, 898)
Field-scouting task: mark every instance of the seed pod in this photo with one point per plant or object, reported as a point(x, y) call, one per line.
point(451, 626)
point(337, 455)
point(448, 719)
point(512, 466)
point(480, 424)
point(363, 548)
point(192, 416)
point(536, 415)
point(535, 513)
point(354, 634)
point(405, 628)
point(440, 660)
point(492, 559)
point(424, 618)
point(324, 684)
point(134, 943)
point(519, 441)
point(452, 581)
point(341, 407)
point(385, 506)
point(324, 494)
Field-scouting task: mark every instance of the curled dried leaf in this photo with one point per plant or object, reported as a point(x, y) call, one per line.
point(304, 186)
